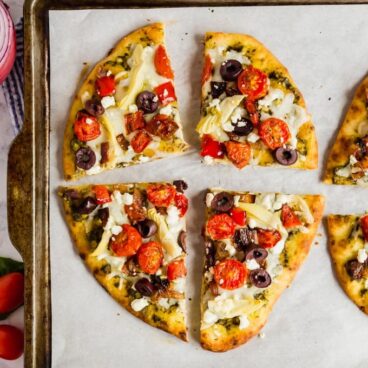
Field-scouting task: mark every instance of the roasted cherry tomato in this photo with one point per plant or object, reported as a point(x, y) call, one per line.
point(274, 133)
point(165, 93)
point(230, 274)
point(239, 216)
point(268, 238)
point(211, 147)
point(134, 121)
point(288, 217)
point(364, 225)
point(238, 153)
point(251, 107)
point(102, 194)
point(105, 86)
point(11, 291)
point(181, 202)
point(207, 69)
point(176, 269)
point(221, 226)
point(161, 195)
point(162, 63)
point(11, 342)
point(127, 242)
point(163, 126)
point(86, 127)
point(150, 256)
point(252, 83)
point(140, 141)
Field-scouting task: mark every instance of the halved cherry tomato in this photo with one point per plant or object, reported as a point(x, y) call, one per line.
point(140, 141)
point(207, 69)
point(162, 63)
point(86, 127)
point(134, 121)
point(105, 86)
point(150, 256)
point(288, 217)
point(230, 274)
point(11, 342)
point(163, 126)
point(238, 153)
point(251, 107)
point(166, 93)
point(268, 238)
point(127, 242)
point(181, 202)
point(221, 226)
point(252, 83)
point(364, 225)
point(161, 195)
point(274, 133)
point(176, 269)
point(211, 147)
point(11, 291)
point(102, 194)
point(239, 216)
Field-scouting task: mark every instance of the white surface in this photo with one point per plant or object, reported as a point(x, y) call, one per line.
point(314, 324)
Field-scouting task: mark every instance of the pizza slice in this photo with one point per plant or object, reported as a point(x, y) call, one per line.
point(348, 244)
point(132, 238)
point(126, 111)
point(252, 111)
point(254, 245)
point(348, 159)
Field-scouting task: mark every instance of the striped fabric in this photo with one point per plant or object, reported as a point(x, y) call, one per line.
point(13, 85)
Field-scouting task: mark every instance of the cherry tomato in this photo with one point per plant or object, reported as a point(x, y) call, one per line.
point(238, 153)
point(140, 141)
point(251, 107)
point(288, 217)
point(239, 216)
point(268, 238)
point(127, 242)
point(162, 63)
point(150, 256)
point(181, 202)
point(211, 147)
point(274, 133)
point(102, 194)
point(86, 127)
point(11, 342)
point(163, 126)
point(252, 83)
point(161, 195)
point(11, 291)
point(105, 86)
point(176, 269)
point(364, 225)
point(221, 226)
point(230, 274)
point(134, 121)
point(207, 69)
point(166, 93)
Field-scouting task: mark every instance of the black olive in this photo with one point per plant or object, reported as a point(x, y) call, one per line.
point(286, 155)
point(85, 158)
point(245, 238)
point(256, 253)
point(260, 278)
point(230, 69)
point(210, 253)
point(103, 215)
point(182, 240)
point(94, 107)
point(242, 127)
point(146, 228)
point(354, 269)
point(160, 283)
point(147, 101)
point(144, 287)
point(217, 89)
point(222, 202)
point(71, 194)
point(180, 185)
point(232, 91)
point(87, 206)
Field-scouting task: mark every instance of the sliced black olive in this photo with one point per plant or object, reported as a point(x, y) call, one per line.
point(222, 202)
point(217, 89)
point(354, 269)
point(245, 238)
point(180, 185)
point(87, 206)
point(147, 101)
point(145, 287)
point(286, 155)
point(94, 107)
point(103, 215)
point(256, 253)
point(260, 278)
point(242, 127)
point(210, 253)
point(182, 240)
point(85, 158)
point(230, 69)
point(146, 228)
point(160, 283)
point(131, 266)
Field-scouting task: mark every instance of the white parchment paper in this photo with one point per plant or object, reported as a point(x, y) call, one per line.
point(313, 324)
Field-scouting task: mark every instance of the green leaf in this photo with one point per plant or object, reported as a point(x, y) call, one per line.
point(8, 265)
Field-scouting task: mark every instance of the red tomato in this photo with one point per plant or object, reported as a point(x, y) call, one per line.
point(207, 69)
point(161, 195)
point(166, 93)
point(162, 63)
point(211, 147)
point(105, 86)
point(176, 269)
point(134, 121)
point(274, 133)
point(364, 225)
point(150, 256)
point(238, 153)
point(163, 126)
point(230, 274)
point(288, 217)
point(140, 141)
point(251, 107)
point(268, 238)
point(252, 83)
point(221, 226)
point(11, 342)
point(239, 216)
point(181, 201)
point(86, 127)
point(11, 291)
point(102, 194)
point(126, 243)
